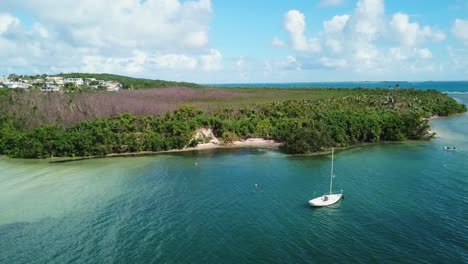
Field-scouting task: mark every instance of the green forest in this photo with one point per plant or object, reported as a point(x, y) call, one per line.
point(304, 126)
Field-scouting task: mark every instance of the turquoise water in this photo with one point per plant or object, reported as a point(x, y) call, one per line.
point(450, 87)
point(404, 203)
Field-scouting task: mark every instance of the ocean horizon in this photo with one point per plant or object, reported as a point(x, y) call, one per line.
point(442, 86)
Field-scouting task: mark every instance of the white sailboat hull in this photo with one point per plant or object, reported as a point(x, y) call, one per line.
point(326, 200)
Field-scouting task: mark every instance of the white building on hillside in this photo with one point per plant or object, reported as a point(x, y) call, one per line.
point(37, 81)
point(17, 85)
point(3, 79)
point(75, 81)
point(89, 80)
point(50, 88)
point(113, 86)
point(57, 80)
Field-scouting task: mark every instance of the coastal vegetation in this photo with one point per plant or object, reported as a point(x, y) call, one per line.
point(305, 120)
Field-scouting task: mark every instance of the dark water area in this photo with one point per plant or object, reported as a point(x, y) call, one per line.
point(404, 203)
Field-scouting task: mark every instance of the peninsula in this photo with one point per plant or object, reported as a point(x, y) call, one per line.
point(177, 116)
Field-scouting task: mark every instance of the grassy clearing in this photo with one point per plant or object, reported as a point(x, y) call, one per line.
point(250, 96)
point(35, 108)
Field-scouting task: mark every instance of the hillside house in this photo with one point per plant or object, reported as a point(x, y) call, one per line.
point(57, 80)
point(18, 85)
point(113, 86)
point(88, 81)
point(75, 81)
point(37, 81)
point(50, 87)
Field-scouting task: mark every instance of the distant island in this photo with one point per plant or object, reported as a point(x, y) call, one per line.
point(148, 116)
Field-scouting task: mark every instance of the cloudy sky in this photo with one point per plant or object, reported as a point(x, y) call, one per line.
point(238, 41)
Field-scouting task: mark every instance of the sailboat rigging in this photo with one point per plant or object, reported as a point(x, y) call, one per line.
point(327, 199)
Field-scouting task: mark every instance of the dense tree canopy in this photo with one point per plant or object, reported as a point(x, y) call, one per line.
point(304, 126)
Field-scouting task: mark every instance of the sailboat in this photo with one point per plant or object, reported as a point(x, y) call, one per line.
point(330, 198)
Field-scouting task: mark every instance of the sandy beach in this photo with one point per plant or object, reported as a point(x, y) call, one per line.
point(247, 143)
point(213, 143)
point(207, 134)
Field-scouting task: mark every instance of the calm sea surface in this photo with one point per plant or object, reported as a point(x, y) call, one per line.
point(404, 203)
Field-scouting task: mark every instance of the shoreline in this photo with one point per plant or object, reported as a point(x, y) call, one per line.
point(437, 117)
point(255, 143)
point(265, 144)
point(247, 143)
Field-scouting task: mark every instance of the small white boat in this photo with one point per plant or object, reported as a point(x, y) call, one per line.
point(327, 199)
point(449, 148)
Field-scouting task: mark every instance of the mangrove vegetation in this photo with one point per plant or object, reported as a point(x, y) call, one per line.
point(304, 126)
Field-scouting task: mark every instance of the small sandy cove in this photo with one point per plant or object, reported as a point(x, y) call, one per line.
point(215, 143)
point(203, 133)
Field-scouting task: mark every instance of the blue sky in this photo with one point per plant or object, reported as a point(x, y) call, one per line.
point(238, 41)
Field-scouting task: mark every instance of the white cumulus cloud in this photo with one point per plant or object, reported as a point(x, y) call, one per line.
point(423, 53)
point(7, 23)
point(295, 25)
point(162, 24)
point(336, 24)
point(333, 63)
point(175, 62)
point(458, 58)
point(212, 60)
point(366, 40)
point(459, 30)
point(288, 63)
point(367, 22)
point(147, 38)
point(397, 54)
point(410, 33)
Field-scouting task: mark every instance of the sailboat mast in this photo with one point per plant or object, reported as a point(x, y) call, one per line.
point(331, 174)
